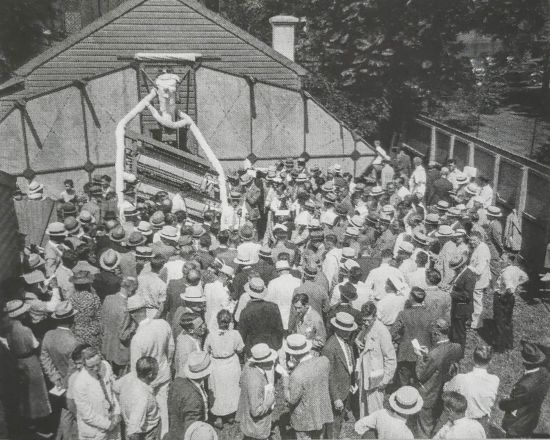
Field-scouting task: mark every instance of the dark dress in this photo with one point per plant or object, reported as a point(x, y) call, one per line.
point(87, 327)
point(185, 406)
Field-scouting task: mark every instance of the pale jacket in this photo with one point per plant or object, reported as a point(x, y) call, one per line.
point(280, 291)
point(479, 264)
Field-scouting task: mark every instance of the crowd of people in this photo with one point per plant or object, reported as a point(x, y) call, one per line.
point(334, 298)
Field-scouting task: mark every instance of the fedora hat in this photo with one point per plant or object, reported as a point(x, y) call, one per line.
point(135, 302)
point(72, 226)
point(494, 211)
point(432, 219)
point(157, 219)
point(344, 321)
point(406, 400)
point(143, 252)
point(262, 353)
point(135, 239)
point(445, 231)
point(56, 229)
point(16, 307)
point(246, 232)
point(169, 233)
point(420, 238)
point(64, 310)
point(35, 261)
point(198, 365)
point(109, 260)
point(85, 217)
point(82, 277)
point(255, 288)
point(458, 260)
point(297, 344)
point(34, 277)
point(193, 294)
point(117, 234)
point(531, 354)
point(349, 292)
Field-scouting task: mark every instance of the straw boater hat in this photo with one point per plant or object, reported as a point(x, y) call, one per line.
point(420, 238)
point(262, 353)
point(255, 288)
point(329, 198)
point(376, 191)
point(344, 321)
point(72, 226)
point(56, 229)
point(118, 234)
point(85, 217)
point(265, 251)
point(406, 400)
point(311, 270)
point(145, 228)
point(445, 231)
point(372, 219)
point(227, 270)
point(16, 307)
point(35, 261)
point(198, 365)
point(144, 252)
point(461, 179)
point(35, 190)
point(198, 231)
point(458, 260)
point(357, 221)
point(242, 259)
point(236, 195)
point(200, 431)
point(407, 247)
point(64, 310)
point(494, 211)
point(297, 344)
point(169, 233)
point(135, 239)
point(130, 210)
point(352, 231)
point(193, 294)
point(472, 189)
point(442, 205)
point(348, 252)
point(246, 232)
point(109, 260)
point(246, 178)
point(432, 219)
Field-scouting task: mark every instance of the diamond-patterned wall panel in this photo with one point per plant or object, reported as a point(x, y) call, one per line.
point(12, 149)
point(278, 129)
point(324, 131)
point(57, 119)
point(223, 108)
point(112, 96)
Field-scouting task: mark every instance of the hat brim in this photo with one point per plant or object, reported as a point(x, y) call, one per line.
point(20, 311)
point(272, 357)
point(59, 318)
point(192, 299)
point(108, 268)
point(57, 234)
point(255, 295)
point(406, 411)
point(141, 243)
point(199, 374)
point(166, 237)
point(335, 324)
point(145, 233)
point(438, 235)
point(304, 350)
point(499, 215)
point(40, 262)
point(242, 262)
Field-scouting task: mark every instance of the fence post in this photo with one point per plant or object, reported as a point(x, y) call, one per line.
point(495, 177)
point(452, 146)
point(433, 144)
point(523, 191)
point(472, 150)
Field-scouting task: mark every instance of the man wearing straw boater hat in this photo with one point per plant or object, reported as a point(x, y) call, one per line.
point(54, 247)
point(342, 365)
point(392, 422)
point(188, 398)
point(307, 389)
point(58, 344)
point(257, 398)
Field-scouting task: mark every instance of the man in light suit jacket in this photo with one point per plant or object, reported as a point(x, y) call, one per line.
point(342, 365)
point(480, 265)
point(433, 369)
point(307, 389)
point(522, 408)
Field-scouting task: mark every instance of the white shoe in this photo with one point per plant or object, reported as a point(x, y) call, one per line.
point(545, 277)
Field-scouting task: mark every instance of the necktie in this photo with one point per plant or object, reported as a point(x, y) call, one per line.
point(349, 358)
point(105, 393)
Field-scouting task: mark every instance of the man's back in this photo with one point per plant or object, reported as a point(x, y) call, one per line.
point(260, 321)
point(113, 312)
point(480, 389)
point(57, 345)
point(412, 323)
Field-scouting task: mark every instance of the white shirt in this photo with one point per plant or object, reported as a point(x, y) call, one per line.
point(480, 389)
point(328, 217)
point(387, 427)
point(486, 195)
point(479, 264)
point(138, 405)
point(93, 414)
point(249, 250)
point(229, 219)
point(417, 182)
point(217, 296)
point(152, 289)
point(511, 278)
point(173, 269)
point(178, 204)
point(376, 280)
point(331, 265)
point(461, 429)
point(402, 192)
point(389, 307)
point(417, 278)
point(153, 338)
point(280, 291)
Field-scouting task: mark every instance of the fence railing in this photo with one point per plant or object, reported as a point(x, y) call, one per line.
point(519, 182)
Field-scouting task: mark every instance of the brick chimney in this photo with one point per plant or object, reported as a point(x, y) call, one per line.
point(284, 27)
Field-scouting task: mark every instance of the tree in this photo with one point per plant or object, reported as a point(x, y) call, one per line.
point(402, 55)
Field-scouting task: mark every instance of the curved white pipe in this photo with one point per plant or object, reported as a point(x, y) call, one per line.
point(121, 146)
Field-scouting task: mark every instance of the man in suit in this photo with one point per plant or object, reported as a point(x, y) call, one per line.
point(412, 323)
point(522, 408)
point(342, 364)
point(58, 344)
point(260, 320)
point(257, 397)
point(188, 399)
point(440, 189)
point(307, 389)
point(433, 369)
point(462, 294)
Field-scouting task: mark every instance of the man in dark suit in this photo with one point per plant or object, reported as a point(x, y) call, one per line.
point(265, 266)
point(433, 369)
point(462, 298)
point(522, 408)
point(441, 188)
point(414, 322)
point(260, 320)
point(187, 398)
point(348, 293)
point(342, 364)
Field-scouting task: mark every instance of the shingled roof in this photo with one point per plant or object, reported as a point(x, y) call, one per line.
point(149, 26)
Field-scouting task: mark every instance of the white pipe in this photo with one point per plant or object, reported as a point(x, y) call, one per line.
point(121, 147)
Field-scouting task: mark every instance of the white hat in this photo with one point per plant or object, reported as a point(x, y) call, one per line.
point(262, 353)
point(255, 288)
point(406, 400)
point(344, 321)
point(198, 365)
point(297, 344)
point(282, 265)
point(193, 294)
